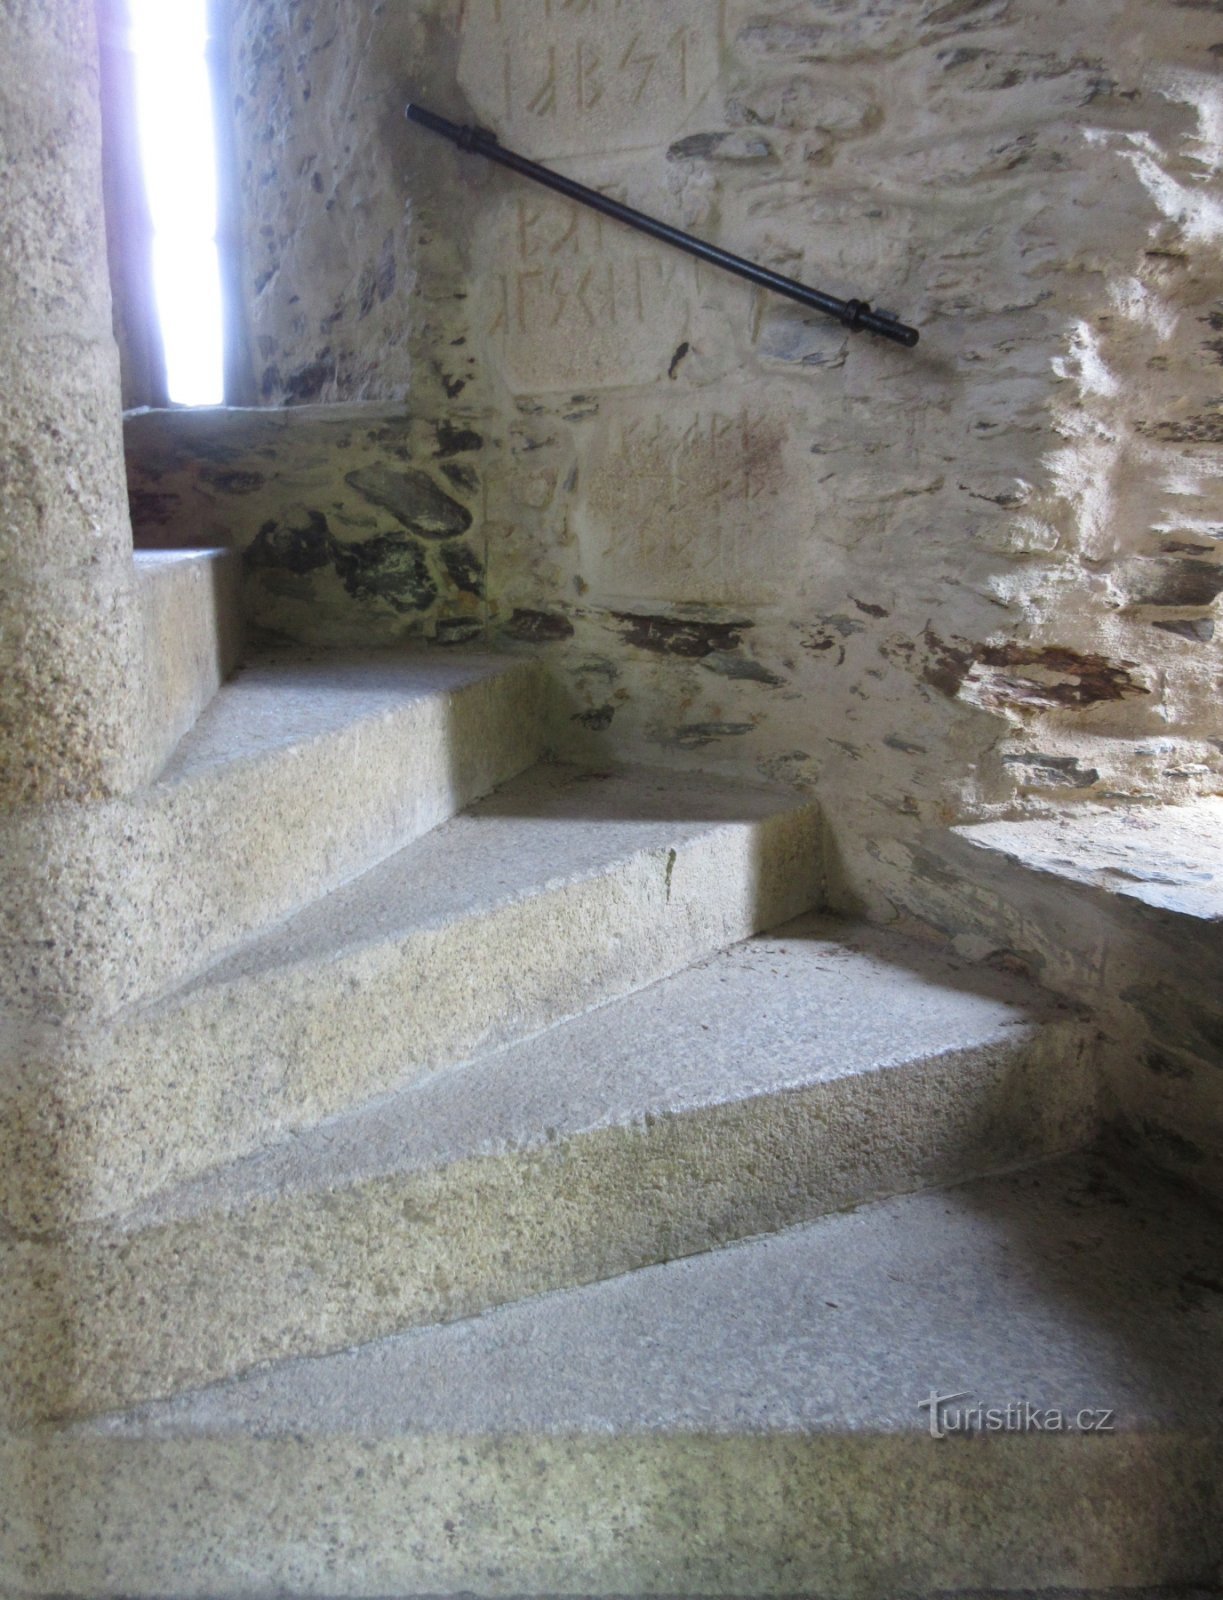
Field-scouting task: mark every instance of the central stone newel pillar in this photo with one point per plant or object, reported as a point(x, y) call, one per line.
point(70, 641)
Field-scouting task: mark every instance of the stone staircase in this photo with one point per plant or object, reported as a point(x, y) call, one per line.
point(439, 1169)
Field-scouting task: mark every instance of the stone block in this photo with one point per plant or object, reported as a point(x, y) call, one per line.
point(577, 77)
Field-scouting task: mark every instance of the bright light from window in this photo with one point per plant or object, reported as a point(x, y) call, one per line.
point(174, 110)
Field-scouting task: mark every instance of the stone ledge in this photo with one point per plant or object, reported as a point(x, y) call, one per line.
point(1166, 857)
point(1124, 907)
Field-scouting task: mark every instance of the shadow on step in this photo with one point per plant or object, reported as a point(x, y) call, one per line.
point(1112, 1314)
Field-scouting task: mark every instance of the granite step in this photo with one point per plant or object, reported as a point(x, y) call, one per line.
point(191, 614)
point(755, 1420)
point(1124, 905)
point(799, 1072)
point(301, 772)
point(564, 889)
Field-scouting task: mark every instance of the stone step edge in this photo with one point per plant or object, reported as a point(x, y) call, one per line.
point(305, 1042)
point(340, 1266)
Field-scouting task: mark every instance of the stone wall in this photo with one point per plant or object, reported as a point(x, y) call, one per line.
point(938, 585)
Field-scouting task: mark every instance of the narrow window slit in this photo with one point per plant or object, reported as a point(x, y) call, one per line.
point(178, 154)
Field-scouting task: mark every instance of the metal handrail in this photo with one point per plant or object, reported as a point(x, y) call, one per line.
point(853, 313)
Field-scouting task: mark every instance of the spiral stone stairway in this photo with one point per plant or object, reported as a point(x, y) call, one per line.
point(468, 1173)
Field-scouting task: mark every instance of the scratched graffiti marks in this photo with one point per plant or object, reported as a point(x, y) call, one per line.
point(573, 301)
point(695, 504)
point(575, 77)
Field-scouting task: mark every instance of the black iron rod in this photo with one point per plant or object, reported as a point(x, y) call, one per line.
point(853, 313)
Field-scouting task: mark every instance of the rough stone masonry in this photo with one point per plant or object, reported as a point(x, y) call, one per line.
point(938, 586)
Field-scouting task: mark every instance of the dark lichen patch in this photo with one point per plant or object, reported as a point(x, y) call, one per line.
point(1167, 1145)
point(454, 440)
point(582, 408)
point(367, 289)
point(1177, 1020)
point(298, 548)
point(693, 735)
point(364, 522)
point(905, 746)
point(1196, 1284)
point(152, 508)
point(741, 668)
point(539, 627)
point(832, 633)
point(387, 269)
point(949, 60)
point(1016, 962)
point(457, 630)
point(1171, 583)
point(598, 667)
point(868, 609)
point(694, 146)
point(186, 455)
point(308, 382)
point(678, 636)
point(1198, 630)
point(1207, 428)
point(727, 145)
point(1164, 1064)
point(1038, 770)
point(464, 569)
point(928, 867)
point(394, 435)
point(957, 11)
point(1095, 1188)
point(1001, 71)
point(947, 665)
point(389, 568)
point(233, 480)
point(462, 476)
point(413, 499)
point(844, 627)
point(597, 719)
point(681, 350)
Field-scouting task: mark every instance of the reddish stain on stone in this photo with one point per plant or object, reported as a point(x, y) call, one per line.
point(1079, 678)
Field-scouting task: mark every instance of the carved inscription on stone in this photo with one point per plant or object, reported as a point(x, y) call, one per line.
point(574, 77)
point(700, 502)
point(570, 301)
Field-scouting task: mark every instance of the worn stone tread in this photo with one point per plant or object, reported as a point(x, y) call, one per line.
point(746, 1421)
point(292, 697)
point(1070, 1282)
point(800, 1072)
point(810, 1003)
point(564, 889)
point(299, 774)
point(552, 826)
